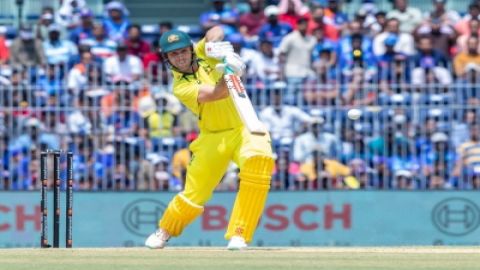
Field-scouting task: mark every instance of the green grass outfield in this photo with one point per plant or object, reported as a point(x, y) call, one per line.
point(398, 258)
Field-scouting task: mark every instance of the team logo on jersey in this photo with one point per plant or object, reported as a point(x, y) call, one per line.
point(173, 38)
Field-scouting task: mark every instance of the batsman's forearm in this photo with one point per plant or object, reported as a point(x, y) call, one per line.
point(214, 34)
point(209, 93)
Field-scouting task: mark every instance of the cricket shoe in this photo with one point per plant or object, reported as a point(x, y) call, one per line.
point(236, 243)
point(158, 239)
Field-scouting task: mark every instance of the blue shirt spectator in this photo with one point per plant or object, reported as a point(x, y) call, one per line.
point(274, 30)
point(85, 29)
point(100, 46)
point(220, 15)
point(56, 50)
point(116, 23)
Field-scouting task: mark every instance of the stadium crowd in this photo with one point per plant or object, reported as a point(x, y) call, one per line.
point(378, 100)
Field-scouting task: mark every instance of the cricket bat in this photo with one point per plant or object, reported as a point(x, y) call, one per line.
point(243, 104)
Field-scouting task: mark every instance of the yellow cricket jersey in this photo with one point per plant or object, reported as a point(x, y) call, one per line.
point(213, 116)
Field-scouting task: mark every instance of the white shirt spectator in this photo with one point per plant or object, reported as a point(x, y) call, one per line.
point(408, 19)
point(78, 123)
point(281, 125)
point(59, 52)
point(306, 143)
point(250, 57)
point(267, 64)
point(298, 51)
point(129, 69)
point(405, 44)
point(77, 78)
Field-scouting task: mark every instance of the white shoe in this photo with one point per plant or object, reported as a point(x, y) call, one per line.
point(158, 239)
point(236, 243)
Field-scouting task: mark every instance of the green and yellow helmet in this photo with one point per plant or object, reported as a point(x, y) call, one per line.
point(174, 40)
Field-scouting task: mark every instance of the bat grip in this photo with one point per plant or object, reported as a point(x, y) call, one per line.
point(228, 70)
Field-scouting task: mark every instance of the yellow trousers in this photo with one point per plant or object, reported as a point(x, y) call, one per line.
point(211, 154)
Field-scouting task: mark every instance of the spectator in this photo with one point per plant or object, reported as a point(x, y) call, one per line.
point(324, 56)
point(447, 17)
point(429, 62)
point(468, 157)
point(284, 170)
point(123, 66)
point(335, 16)
point(116, 22)
point(59, 51)
point(393, 69)
point(100, 46)
point(322, 172)
point(120, 115)
point(282, 120)
point(404, 180)
point(358, 66)
point(474, 26)
point(274, 30)
point(158, 121)
point(408, 17)
point(163, 178)
point(4, 51)
point(77, 121)
point(462, 26)
point(380, 23)
point(319, 21)
point(345, 47)
point(70, 12)
point(437, 156)
point(268, 63)
point(26, 50)
point(251, 22)
point(295, 51)
point(315, 138)
point(78, 75)
point(404, 42)
point(85, 28)
point(321, 91)
point(361, 173)
point(142, 170)
point(18, 171)
point(443, 35)
point(181, 159)
point(18, 95)
point(46, 19)
point(291, 11)
point(50, 86)
point(461, 127)
point(366, 15)
point(164, 27)
point(220, 15)
point(467, 63)
point(135, 44)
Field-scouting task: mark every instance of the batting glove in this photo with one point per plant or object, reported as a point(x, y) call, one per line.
point(218, 50)
point(232, 63)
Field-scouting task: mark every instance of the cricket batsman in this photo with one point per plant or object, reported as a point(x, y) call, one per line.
point(198, 83)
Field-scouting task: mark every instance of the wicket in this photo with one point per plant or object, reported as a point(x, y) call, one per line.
point(56, 199)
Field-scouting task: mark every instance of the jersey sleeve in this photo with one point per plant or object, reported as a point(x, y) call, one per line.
point(200, 49)
point(187, 93)
point(200, 52)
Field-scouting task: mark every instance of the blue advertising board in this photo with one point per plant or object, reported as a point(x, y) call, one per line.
point(335, 218)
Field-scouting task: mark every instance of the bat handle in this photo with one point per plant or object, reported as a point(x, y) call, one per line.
point(228, 70)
